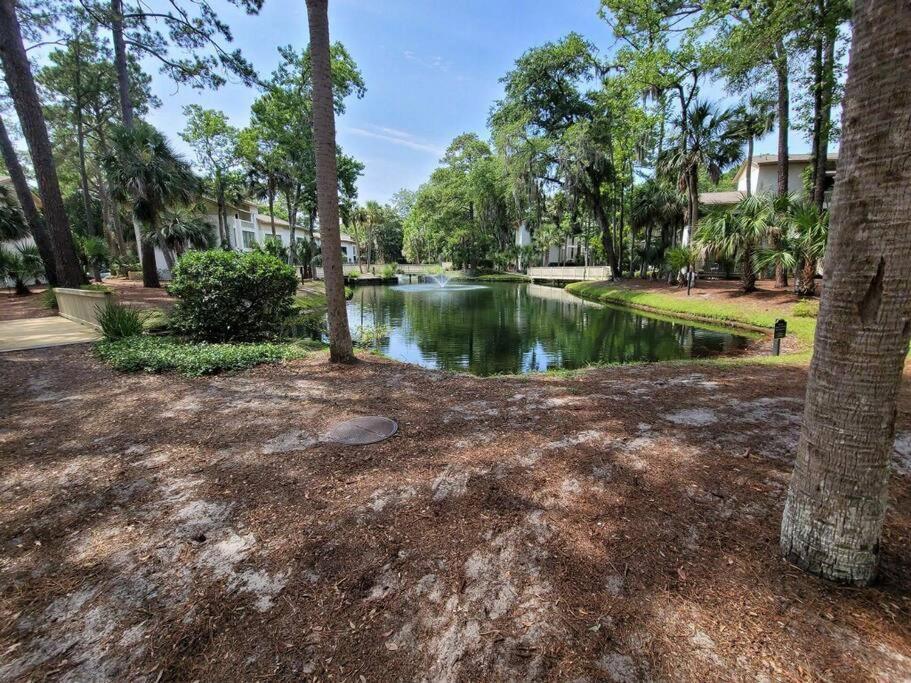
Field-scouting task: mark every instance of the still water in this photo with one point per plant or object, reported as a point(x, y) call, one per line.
point(513, 328)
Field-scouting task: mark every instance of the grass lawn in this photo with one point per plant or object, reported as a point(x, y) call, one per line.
point(713, 305)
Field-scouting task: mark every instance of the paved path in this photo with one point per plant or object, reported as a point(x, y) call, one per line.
point(36, 333)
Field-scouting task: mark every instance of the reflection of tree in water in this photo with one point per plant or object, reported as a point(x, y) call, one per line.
point(514, 328)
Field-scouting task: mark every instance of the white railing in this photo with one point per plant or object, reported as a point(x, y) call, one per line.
point(570, 273)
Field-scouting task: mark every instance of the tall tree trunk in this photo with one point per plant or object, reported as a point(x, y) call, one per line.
point(145, 250)
point(340, 347)
point(784, 104)
point(836, 501)
point(826, 91)
point(80, 141)
point(749, 166)
point(21, 86)
point(272, 207)
point(120, 63)
point(27, 203)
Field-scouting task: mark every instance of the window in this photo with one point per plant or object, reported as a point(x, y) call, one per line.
point(249, 239)
point(300, 239)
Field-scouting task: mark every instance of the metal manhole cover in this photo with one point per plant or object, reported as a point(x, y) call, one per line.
point(363, 430)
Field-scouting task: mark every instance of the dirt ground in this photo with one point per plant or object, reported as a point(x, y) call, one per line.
point(767, 298)
point(620, 525)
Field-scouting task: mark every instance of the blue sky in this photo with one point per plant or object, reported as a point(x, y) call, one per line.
point(432, 71)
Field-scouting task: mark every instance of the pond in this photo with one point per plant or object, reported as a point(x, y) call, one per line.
point(496, 328)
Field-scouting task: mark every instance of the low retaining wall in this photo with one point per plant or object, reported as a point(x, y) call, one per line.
point(570, 273)
point(81, 305)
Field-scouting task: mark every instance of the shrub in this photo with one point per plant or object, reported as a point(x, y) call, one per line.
point(229, 296)
point(389, 270)
point(49, 298)
point(349, 293)
point(120, 322)
point(806, 309)
point(163, 354)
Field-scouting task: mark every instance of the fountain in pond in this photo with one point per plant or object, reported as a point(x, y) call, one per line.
point(436, 283)
point(440, 279)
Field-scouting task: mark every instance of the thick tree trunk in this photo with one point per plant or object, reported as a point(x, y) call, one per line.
point(25, 97)
point(607, 240)
point(340, 347)
point(27, 203)
point(836, 502)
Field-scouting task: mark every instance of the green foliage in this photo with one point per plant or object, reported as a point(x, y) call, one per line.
point(681, 258)
point(12, 221)
point(49, 299)
point(228, 296)
point(164, 354)
point(388, 270)
point(119, 322)
point(370, 337)
point(806, 309)
point(349, 293)
point(156, 321)
point(503, 277)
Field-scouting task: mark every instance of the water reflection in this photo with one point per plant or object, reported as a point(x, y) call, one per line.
point(510, 328)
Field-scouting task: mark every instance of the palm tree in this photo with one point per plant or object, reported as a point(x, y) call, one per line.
point(181, 228)
point(95, 253)
point(735, 234)
point(838, 496)
point(655, 204)
point(27, 204)
point(811, 232)
point(340, 347)
point(12, 220)
point(146, 173)
point(752, 121)
point(709, 144)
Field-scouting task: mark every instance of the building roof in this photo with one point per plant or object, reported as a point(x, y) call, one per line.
point(771, 159)
point(730, 197)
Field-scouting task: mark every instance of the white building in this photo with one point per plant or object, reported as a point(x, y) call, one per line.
point(247, 224)
point(764, 178)
point(571, 250)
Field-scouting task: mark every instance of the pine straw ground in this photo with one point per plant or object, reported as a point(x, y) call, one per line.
point(620, 524)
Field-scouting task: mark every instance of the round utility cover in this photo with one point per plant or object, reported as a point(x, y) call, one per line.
point(363, 430)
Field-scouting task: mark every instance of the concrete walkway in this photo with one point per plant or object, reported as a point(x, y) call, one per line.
point(37, 333)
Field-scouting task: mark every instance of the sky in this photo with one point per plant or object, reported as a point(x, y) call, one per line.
point(432, 70)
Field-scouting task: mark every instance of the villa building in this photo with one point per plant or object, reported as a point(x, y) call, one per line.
point(248, 225)
point(764, 178)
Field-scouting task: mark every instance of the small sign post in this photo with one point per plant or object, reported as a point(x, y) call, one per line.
point(781, 329)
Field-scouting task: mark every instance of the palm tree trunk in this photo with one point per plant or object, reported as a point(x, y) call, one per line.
point(784, 103)
point(25, 97)
point(340, 347)
point(27, 203)
point(821, 149)
point(836, 501)
point(747, 274)
point(272, 207)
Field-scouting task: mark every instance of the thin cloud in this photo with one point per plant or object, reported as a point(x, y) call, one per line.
point(433, 62)
point(397, 137)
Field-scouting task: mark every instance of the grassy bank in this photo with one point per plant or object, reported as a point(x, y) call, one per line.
point(734, 314)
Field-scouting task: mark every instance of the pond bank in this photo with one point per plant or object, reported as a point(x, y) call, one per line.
point(718, 303)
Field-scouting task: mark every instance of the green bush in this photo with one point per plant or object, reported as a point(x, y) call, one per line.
point(49, 298)
point(806, 309)
point(119, 322)
point(229, 296)
point(389, 270)
point(349, 293)
point(163, 354)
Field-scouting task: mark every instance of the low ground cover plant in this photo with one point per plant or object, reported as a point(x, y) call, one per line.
point(165, 354)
